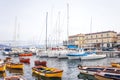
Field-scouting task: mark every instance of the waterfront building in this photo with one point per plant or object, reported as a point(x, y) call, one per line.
point(94, 40)
point(101, 39)
point(77, 39)
point(118, 42)
point(118, 38)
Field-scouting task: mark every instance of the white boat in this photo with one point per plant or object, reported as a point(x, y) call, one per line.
point(86, 55)
point(42, 53)
point(76, 55)
point(93, 56)
point(7, 51)
point(53, 53)
point(62, 54)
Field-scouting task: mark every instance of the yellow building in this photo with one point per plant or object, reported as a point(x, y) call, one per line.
point(101, 39)
point(98, 39)
point(77, 40)
point(118, 38)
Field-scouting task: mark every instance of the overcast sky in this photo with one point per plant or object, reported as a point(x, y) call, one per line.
point(31, 18)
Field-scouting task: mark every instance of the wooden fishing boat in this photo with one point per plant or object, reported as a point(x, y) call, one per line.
point(7, 59)
point(91, 70)
point(2, 67)
point(26, 54)
point(15, 65)
point(38, 63)
point(115, 64)
point(47, 72)
point(14, 78)
point(108, 74)
point(24, 60)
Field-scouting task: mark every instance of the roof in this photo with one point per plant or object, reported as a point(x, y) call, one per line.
point(101, 32)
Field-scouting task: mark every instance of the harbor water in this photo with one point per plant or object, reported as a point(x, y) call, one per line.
point(69, 67)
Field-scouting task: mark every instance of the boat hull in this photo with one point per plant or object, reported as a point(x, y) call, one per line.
point(25, 54)
point(74, 57)
point(15, 65)
point(92, 57)
point(27, 60)
point(2, 68)
point(48, 72)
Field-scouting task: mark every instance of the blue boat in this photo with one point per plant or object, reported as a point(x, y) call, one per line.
point(85, 55)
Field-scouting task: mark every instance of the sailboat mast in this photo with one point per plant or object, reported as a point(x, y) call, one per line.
point(91, 32)
point(46, 30)
point(15, 31)
point(15, 28)
point(67, 23)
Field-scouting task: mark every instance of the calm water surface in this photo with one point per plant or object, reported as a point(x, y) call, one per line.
point(71, 71)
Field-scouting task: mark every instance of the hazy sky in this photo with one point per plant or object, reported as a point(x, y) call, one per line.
point(31, 18)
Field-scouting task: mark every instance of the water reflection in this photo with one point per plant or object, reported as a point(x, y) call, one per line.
point(38, 77)
point(2, 74)
point(86, 76)
point(69, 67)
point(15, 71)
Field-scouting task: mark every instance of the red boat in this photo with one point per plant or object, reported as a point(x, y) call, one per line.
point(24, 60)
point(26, 54)
point(38, 63)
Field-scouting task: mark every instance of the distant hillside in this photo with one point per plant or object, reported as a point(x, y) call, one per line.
point(2, 46)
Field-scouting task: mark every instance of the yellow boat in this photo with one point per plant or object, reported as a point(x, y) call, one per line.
point(15, 65)
point(115, 64)
point(47, 72)
point(2, 67)
point(15, 71)
point(14, 78)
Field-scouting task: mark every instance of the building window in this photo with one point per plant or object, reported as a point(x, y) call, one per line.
point(107, 35)
point(96, 41)
point(96, 36)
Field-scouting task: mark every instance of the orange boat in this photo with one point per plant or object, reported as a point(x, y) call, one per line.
point(24, 60)
point(38, 63)
point(26, 54)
